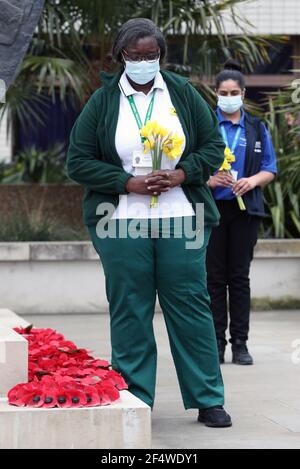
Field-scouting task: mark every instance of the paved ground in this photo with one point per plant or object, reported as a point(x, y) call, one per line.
point(264, 400)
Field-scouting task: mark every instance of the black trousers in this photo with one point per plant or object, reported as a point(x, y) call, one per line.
point(229, 254)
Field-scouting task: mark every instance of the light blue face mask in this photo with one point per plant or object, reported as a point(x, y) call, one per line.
point(142, 72)
point(230, 104)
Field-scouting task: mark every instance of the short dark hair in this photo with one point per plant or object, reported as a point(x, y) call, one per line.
point(135, 29)
point(232, 71)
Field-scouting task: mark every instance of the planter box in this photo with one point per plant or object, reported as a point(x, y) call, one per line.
point(275, 274)
point(54, 277)
point(61, 203)
point(67, 277)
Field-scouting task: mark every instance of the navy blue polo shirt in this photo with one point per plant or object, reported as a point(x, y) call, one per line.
point(268, 162)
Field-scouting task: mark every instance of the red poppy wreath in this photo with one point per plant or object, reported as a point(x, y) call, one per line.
point(62, 375)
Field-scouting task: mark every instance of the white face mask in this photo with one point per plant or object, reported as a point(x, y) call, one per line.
point(230, 104)
point(142, 72)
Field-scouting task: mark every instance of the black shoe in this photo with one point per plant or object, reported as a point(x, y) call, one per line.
point(221, 350)
point(215, 417)
point(240, 354)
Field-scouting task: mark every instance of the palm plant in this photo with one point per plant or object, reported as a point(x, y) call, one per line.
point(52, 64)
point(197, 30)
point(73, 38)
point(200, 27)
point(35, 166)
point(283, 197)
point(71, 44)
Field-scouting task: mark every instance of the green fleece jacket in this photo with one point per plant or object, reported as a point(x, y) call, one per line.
point(93, 162)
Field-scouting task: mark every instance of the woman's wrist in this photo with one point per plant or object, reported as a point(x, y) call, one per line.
point(209, 182)
point(128, 186)
point(179, 178)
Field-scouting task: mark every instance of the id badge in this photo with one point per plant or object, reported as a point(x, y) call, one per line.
point(234, 174)
point(141, 162)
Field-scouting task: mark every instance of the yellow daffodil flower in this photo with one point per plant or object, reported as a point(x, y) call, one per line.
point(158, 140)
point(229, 155)
point(149, 144)
point(228, 158)
point(172, 146)
point(226, 166)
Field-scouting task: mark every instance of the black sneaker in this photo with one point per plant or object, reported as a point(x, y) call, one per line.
point(215, 417)
point(221, 350)
point(240, 354)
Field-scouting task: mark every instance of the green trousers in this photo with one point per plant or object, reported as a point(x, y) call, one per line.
point(135, 270)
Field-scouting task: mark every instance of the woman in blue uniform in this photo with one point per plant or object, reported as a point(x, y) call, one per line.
point(231, 245)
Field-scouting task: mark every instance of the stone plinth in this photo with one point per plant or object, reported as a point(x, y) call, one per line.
point(123, 424)
point(10, 319)
point(13, 359)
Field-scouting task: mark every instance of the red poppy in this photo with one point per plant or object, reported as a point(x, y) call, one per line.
point(18, 394)
point(48, 364)
point(64, 398)
point(61, 380)
point(50, 399)
point(66, 346)
point(93, 398)
point(62, 375)
point(35, 398)
point(101, 373)
point(70, 362)
point(46, 380)
point(78, 398)
point(90, 380)
point(99, 363)
point(74, 371)
point(116, 379)
point(107, 392)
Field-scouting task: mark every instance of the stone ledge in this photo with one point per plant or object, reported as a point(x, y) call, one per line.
point(10, 319)
point(47, 251)
point(14, 251)
point(277, 248)
point(125, 424)
point(84, 250)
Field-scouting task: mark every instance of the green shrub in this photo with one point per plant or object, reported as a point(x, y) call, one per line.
point(36, 166)
point(33, 227)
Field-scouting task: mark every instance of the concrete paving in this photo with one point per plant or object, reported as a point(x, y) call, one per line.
point(263, 400)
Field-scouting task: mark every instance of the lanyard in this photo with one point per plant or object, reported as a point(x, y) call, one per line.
point(136, 112)
point(236, 138)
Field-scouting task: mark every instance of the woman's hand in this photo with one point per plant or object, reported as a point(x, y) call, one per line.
point(221, 179)
point(165, 178)
point(155, 182)
point(148, 185)
point(243, 185)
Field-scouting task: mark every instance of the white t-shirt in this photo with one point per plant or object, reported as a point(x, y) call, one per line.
point(127, 140)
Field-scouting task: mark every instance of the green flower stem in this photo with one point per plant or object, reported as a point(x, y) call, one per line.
point(239, 198)
point(156, 155)
point(241, 203)
point(154, 201)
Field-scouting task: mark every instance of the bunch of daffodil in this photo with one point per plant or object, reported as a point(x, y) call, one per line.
point(226, 166)
point(158, 140)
